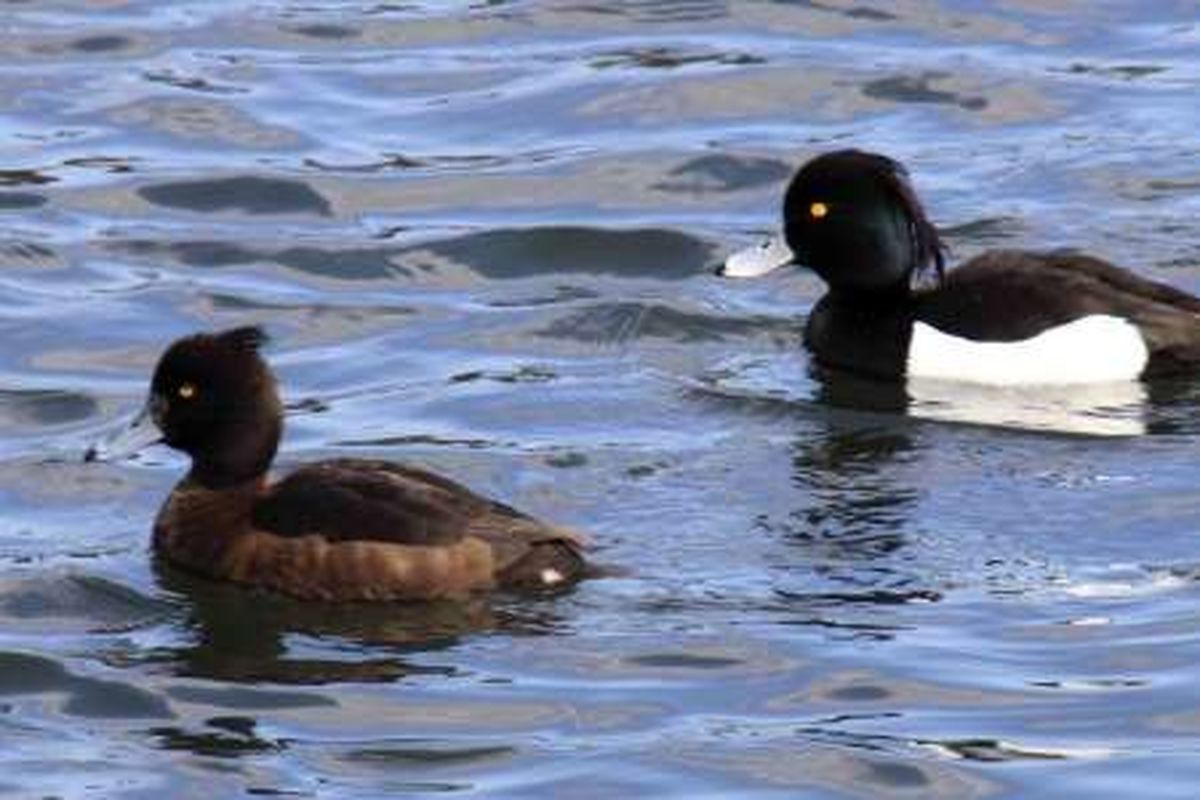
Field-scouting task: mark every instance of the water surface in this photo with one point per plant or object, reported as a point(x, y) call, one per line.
point(482, 237)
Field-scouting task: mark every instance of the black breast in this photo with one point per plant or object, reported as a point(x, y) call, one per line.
point(867, 336)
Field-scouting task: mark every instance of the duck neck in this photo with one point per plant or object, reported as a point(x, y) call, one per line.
point(240, 453)
point(893, 297)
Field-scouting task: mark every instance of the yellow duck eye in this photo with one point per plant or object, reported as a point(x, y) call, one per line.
point(818, 210)
point(187, 391)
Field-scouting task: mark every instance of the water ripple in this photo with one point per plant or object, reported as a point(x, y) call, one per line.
point(482, 237)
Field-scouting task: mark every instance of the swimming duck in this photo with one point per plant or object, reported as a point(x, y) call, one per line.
point(341, 529)
point(1004, 317)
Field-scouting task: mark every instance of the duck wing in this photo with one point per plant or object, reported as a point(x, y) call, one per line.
point(1123, 281)
point(359, 499)
point(1007, 295)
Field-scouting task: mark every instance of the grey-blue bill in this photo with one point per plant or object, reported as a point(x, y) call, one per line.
point(756, 261)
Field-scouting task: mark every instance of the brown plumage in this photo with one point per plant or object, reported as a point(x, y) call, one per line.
point(341, 529)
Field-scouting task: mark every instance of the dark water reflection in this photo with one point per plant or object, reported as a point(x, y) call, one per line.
point(240, 638)
point(858, 505)
point(482, 238)
point(248, 195)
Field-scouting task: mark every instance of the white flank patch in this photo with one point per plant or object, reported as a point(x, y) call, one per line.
point(551, 576)
point(759, 260)
point(1092, 349)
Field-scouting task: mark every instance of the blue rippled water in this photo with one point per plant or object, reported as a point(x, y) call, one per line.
point(482, 237)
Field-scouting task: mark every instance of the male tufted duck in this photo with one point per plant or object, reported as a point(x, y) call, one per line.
point(341, 529)
point(1004, 317)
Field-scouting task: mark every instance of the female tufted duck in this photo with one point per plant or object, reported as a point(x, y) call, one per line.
point(1004, 317)
point(342, 529)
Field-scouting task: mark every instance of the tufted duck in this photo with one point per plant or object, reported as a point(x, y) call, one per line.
point(341, 529)
point(1005, 317)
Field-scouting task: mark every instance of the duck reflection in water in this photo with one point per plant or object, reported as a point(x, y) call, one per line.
point(232, 636)
point(1119, 408)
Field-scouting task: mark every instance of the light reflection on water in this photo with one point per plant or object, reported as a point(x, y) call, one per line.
point(482, 237)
